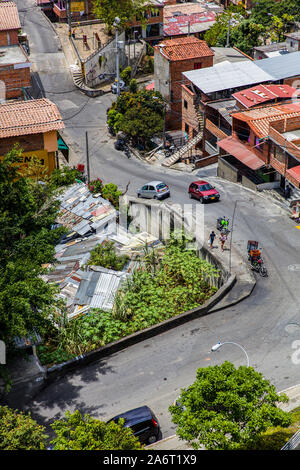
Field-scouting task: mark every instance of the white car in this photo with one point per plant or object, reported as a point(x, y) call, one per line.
point(154, 190)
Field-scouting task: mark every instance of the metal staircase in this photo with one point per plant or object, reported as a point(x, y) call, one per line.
point(190, 144)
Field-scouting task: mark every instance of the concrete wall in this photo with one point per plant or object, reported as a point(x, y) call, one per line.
point(104, 62)
point(227, 171)
point(162, 75)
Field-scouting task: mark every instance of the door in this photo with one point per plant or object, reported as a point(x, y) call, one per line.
point(151, 191)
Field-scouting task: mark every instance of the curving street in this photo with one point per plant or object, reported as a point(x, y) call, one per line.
point(154, 371)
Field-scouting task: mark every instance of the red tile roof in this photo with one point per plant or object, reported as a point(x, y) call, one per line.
point(263, 93)
point(9, 16)
point(259, 119)
point(184, 48)
point(29, 117)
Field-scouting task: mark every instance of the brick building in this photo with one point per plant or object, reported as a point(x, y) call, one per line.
point(264, 148)
point(172, 57)
point(79, 9)
point(14, 71)
point(34, 125)
point(9, 24)
point(153, 31)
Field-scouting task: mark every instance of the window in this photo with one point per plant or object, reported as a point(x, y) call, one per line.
point(197, 65)
point(154, 13)
point(185, 104)
point(186, 128)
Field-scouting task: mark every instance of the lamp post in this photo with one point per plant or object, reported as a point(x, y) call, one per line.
point(219, 344)
point(116, 24)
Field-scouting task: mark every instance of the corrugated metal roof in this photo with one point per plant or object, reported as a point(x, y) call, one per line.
point(284, 66)
point(242, 153)
point(226, 75)
point(295, 172)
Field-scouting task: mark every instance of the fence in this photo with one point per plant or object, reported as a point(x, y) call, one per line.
point(293, 443)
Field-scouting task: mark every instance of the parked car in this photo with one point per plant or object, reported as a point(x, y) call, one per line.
point(154, 190)
point(203, 191)
point(143, 423)
point(114, 87)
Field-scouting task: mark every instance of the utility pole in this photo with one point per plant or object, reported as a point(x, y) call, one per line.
point(87, 156)
point(69, 15)
point(228, 33)
point(116, 24)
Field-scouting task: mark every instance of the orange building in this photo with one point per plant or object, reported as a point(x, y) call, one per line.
point(34, 125)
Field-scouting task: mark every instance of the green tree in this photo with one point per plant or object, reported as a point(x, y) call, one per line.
point(245, 36)
point(77, 432)
point(126, 10)
point(227, 408)
point(234, 14)
point(140, 115)
point(27, 212)
point(18, 431)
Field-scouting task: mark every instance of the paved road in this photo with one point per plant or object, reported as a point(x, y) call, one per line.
point(154, 371)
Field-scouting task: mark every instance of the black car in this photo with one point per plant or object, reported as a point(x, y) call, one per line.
point(143, 423)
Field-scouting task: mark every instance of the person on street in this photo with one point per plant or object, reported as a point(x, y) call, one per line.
point(223, 238)
point(212, 237)
point(287, 192)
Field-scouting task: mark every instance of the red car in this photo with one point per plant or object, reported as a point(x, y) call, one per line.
point(203, 191)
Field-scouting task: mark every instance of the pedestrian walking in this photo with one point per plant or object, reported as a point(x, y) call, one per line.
point(287, 192)
point(223, 238)
point(212, 237)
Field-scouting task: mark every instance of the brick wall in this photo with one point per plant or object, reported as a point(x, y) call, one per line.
point(9, 38)
point(26, 143)
point(189, 117)
point(14, 80)
point(177, 79)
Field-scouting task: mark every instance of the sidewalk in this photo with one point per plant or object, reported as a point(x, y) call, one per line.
point(174, 443)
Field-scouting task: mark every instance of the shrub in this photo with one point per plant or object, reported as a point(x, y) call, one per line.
point(105, 255)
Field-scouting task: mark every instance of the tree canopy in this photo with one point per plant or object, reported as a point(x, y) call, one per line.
point(227, 408)
point(18, 431)
point(125, 10)
point(140, 115)
point(78, 432)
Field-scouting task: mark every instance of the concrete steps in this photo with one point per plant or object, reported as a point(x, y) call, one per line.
point(78, 80)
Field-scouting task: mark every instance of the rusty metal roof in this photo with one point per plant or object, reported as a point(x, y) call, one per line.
point(241, 152)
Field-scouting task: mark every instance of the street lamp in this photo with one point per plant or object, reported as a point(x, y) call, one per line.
point(116, 24)
point(219, 344)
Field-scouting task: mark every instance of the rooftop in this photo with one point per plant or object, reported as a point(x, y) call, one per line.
point(226, 75)
point(295, 35)
point(12, 55)
point(29, 117)
point(228, 53)
point(259, 119)
point(263, 93)
point(9, 16)
point(191, 17)
point(184, 48)
point(283, 66)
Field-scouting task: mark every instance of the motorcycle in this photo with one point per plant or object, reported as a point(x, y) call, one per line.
point(255, 259)
point(127, 151)
point(223, 225)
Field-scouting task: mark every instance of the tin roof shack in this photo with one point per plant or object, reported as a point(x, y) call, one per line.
point(263, 94)
point(263, 151)
point(34, 124)
point(171, 58)
point(9, 24)
point(14, 71)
